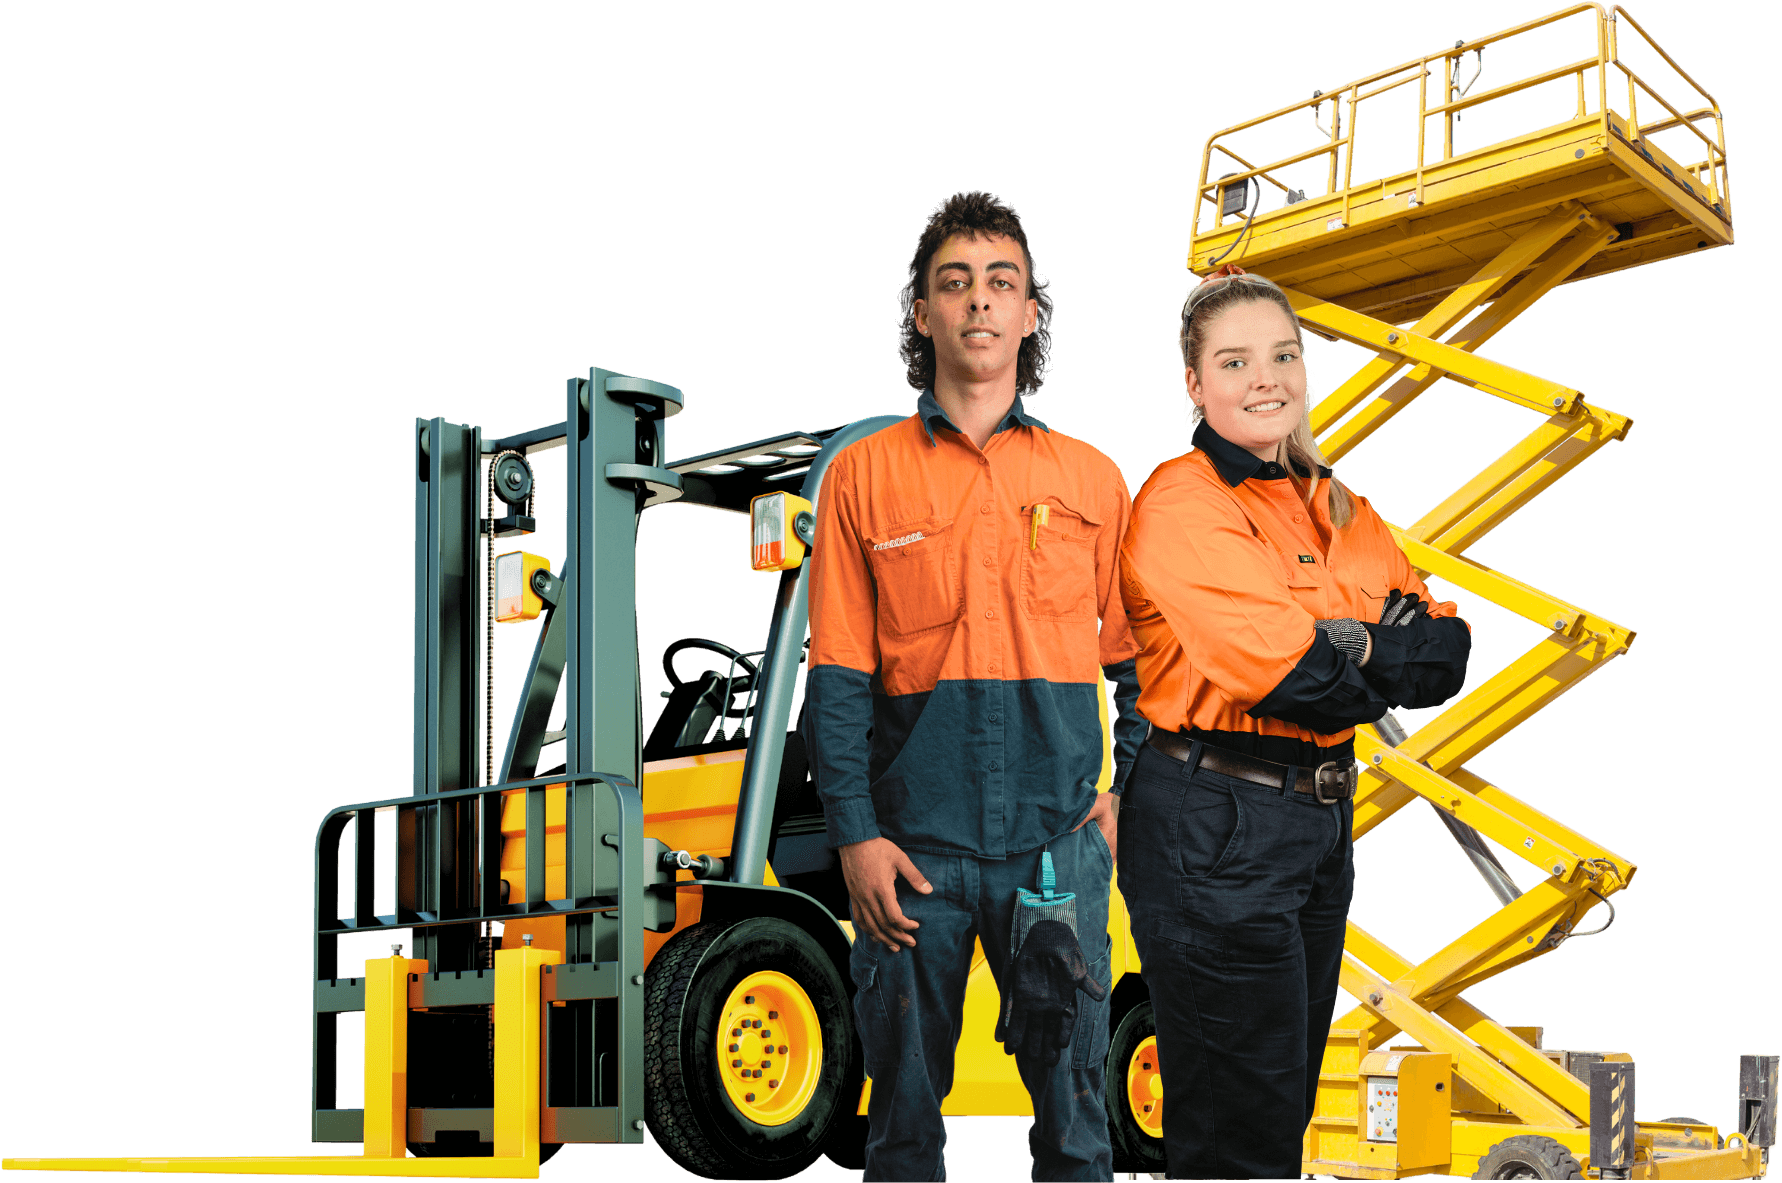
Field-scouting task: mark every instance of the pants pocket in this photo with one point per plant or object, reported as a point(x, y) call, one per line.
point(1090, 1044)
point(1209, 827)
point(870, 1016)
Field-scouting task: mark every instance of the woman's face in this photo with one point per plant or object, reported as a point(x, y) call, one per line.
point(1252, 380)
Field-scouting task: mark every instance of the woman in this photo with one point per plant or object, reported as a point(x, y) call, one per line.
point(1275, 613)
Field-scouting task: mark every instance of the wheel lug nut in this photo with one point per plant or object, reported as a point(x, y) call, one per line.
point(773, 1014)
point(748, 1000)
point(736, 1047)
point(748, 1096)
point(782, 1049)
point(767, 1063)
point(773, 1084)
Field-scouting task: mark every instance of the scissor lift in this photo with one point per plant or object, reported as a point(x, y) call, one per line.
point(1423, 266)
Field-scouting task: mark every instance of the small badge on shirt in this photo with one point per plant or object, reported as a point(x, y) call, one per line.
point(1307, 559)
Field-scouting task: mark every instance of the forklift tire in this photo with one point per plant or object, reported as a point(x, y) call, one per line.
point(709, 982)
point(1135, 1132)
point(1528, 1156)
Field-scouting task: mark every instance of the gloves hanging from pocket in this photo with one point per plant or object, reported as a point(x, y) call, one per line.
point(1045, 970)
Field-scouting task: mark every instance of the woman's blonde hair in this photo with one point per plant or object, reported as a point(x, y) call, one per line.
point(1207, 303)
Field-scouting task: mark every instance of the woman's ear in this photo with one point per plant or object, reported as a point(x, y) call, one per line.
point(1194, 392)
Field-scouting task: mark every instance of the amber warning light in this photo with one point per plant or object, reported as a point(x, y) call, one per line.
point(515, 598)
point(782, 526)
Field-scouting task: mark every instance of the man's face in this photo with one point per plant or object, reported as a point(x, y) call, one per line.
point(977, 310)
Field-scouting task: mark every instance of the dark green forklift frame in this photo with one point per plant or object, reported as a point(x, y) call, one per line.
point(447, 880)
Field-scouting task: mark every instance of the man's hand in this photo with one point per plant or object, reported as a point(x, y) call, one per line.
point(1106, 814)
point(871, 869)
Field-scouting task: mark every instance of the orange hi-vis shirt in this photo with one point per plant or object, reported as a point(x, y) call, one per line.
point(970, 641)
point(1224, 571)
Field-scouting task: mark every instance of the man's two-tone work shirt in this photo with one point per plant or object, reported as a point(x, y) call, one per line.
point(1224, 571)
point(968, 638)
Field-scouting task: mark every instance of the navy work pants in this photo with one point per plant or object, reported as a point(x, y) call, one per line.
point(1238, 895)
point(910, 1004)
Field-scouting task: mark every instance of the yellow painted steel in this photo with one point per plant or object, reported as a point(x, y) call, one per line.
point(1422, 267)
point(1144, 1087)
point(519, 1044)
point(769, 1048)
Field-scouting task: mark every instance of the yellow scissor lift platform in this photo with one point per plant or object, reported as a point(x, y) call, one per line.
point(1422, 265)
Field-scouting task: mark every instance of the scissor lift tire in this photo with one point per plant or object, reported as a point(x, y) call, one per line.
point(690, 1112)
point(1528, 1156)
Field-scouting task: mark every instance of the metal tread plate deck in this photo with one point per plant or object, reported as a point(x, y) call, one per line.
point(1395, 261)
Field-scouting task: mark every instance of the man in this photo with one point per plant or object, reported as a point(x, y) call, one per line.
point(962, 560)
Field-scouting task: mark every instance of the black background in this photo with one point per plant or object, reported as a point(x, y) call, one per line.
point(460, 250)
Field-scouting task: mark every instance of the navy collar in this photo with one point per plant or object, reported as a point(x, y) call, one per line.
point(930, 413)
point(1237, 465)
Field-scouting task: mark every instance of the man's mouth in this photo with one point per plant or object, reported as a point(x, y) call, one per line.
point(985, 333)
point(1271, 405)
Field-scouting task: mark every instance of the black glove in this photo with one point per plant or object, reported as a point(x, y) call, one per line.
point(1401, 609)
point(1045, 978)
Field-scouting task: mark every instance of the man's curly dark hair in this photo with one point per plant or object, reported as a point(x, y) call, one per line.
point(972, 214)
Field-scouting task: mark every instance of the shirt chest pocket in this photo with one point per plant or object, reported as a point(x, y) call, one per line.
point(1058, 562)
point(916, 571)
point(1306, 583)
point(1371, 596)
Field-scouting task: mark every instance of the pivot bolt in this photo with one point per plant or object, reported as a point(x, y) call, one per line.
point(395, 950)
point(1391, 338)
point(637, 979)
point(638, 1124)
point(1375, 998)
point(526, 940)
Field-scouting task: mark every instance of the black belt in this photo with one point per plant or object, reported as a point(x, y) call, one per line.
point(1328, 783)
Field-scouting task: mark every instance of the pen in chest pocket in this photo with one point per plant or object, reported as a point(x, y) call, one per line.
point(1041, 514)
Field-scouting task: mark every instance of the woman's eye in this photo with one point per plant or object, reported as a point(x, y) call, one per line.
point(1287, 357)
point(1233, 364)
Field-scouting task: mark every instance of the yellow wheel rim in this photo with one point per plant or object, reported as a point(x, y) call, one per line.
point(1144, 1088)
point(770, 1048)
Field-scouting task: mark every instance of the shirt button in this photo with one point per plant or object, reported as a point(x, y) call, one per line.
point(989, 562)
point(994, 766)
point(993, 667)
point(1299, 517)
point(984, 508)
point(996, 718)
point(990, 614)
point(983, 459)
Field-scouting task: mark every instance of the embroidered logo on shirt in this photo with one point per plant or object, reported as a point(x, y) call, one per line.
point(903, 541)
point(1307, 559)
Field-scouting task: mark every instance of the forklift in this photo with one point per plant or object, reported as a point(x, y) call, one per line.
point(652, 934)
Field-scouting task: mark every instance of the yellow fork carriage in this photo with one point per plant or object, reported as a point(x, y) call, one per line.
point(671, 951)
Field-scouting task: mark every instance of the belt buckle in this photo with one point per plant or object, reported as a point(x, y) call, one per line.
point(1341, 775)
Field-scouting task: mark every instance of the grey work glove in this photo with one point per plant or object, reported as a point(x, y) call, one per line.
point(1348, 635)
point(1044, 980)
point(1401, 609)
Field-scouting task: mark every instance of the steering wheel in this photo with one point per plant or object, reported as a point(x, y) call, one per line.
point(741, 685)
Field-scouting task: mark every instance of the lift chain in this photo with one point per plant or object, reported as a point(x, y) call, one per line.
point(489, 621)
